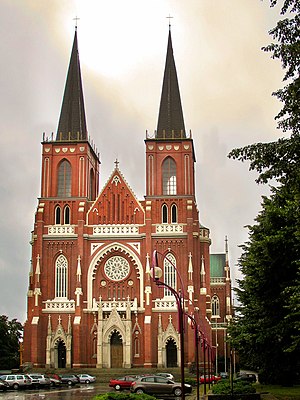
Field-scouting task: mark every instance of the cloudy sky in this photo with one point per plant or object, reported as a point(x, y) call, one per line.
point(225, 81)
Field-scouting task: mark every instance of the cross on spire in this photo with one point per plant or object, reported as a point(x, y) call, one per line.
point(76, 19)
point(117, 163)
point(169, 18)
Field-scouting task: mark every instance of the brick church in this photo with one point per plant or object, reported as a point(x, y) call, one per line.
point(91, 300)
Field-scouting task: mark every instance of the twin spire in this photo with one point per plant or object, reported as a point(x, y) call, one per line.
point(170, 119)
point(72, 122)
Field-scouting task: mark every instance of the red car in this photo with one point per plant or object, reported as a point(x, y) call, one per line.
point(122, 383)
point(209, 378)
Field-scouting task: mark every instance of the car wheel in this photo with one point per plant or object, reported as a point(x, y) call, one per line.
point(87, 381)
point(177, 392)
point(16, 386)
point(70, 382)
point(139, 391)
point(118, 387)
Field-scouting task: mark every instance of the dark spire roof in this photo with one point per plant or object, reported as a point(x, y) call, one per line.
point(170, 119)
point(72, 123)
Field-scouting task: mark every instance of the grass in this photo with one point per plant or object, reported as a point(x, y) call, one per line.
point(280, 392)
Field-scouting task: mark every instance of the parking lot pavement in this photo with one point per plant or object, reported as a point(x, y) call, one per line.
point(78, 392)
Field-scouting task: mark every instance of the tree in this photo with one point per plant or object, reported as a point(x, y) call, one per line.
point(267, 328)
point(10, 334)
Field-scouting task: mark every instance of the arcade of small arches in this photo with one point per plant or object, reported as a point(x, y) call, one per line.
point(115, 343)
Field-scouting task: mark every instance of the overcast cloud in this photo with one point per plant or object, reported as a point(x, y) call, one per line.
point(225, 81)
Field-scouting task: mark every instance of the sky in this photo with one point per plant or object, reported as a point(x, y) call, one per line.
point(226, 83)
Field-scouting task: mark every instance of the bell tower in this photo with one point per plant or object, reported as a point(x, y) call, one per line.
point(172, 217)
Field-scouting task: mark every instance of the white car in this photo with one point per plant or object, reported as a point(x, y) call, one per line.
point(86, 378)
point(166, 375)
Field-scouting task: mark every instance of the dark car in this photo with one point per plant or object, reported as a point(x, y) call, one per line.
point(246, 377)
point(122, 383)
point(3, 385)
point(154, 384)
point(69, 379)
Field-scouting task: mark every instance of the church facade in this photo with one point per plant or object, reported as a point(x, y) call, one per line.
point(92, 300)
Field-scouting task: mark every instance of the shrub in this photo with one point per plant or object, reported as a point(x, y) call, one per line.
point(239, 387)
point(123, 396)
point(191, 381)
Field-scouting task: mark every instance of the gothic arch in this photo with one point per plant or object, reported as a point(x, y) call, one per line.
point(106, 328)
point(102, 253)
point(58, 345)
point(164, 337)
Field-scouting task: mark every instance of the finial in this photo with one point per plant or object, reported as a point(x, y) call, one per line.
point(117, 163)
point(169, 17)
point(76, 20)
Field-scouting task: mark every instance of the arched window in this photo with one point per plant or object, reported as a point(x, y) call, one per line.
point(64, 178)
point(57, 215)
point(215, 306)
point(169, 273)
point(169, 176)
point(164, 214)
point(92, 185)
point(67, 215)
point(173, 214)
point(61, 275)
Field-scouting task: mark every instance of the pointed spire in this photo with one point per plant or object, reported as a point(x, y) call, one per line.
point(170, 119)
point(72, 123)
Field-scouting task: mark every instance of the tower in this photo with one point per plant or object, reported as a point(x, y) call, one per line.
point(172, 218)
point(69, 181)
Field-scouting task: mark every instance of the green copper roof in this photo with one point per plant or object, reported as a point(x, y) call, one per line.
point(217, 265)
point(72, 123)
point(170, 119)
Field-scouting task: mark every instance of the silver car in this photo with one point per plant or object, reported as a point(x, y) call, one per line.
point(86, 378)
point(154, 384)
point(17, 381)
point(39, 380)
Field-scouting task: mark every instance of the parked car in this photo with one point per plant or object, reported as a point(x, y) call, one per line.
point(17, 381)
point(69, 379)
point(122, 383)
point(209, 378)
point(55, 380)
point(86, 378)
point(224, 375)
point(153, 384)
point(247, 377)
point(3, 385)
point(39, 380)
point(166, 375)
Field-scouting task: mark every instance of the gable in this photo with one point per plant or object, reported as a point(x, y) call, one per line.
point(116, 204)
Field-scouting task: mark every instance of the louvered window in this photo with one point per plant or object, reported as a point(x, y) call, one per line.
point(64, 179)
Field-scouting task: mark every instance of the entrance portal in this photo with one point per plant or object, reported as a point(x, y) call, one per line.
point(61, 354)
point(116, 350)
point(171, 350)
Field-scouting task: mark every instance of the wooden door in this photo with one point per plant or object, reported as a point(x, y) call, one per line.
point(116, 350)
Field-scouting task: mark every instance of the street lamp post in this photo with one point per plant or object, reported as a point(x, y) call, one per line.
point(156, 275)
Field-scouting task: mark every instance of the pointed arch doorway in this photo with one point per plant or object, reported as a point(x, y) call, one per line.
point(61, 354)
point(171, 353)
point(116, 350)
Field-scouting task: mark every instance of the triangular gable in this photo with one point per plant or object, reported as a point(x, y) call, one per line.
point(116, 204)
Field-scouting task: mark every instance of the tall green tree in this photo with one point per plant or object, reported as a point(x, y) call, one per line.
point(267, 328)
point(10, 335)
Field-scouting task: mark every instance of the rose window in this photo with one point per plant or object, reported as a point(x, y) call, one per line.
point(116, 268)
